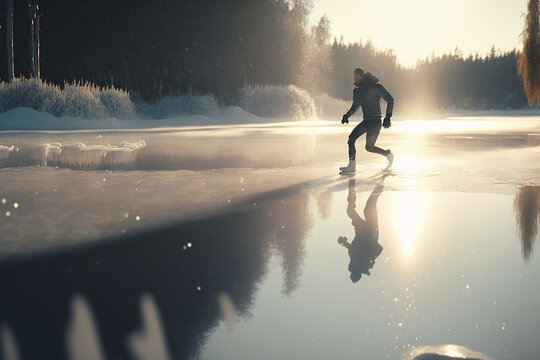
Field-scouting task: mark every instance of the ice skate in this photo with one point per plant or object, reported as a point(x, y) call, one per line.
point(351, 167)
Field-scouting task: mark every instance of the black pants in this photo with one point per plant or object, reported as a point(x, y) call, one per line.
point(372, 128)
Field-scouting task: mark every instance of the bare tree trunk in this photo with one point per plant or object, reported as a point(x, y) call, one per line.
point(34, 35)
point(529, 60)
point(9, 39)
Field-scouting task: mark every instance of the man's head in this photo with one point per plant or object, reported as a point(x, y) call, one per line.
point(358, 73)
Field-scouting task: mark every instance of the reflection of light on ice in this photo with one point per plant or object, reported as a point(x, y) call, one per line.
point(150, 341)
point(448, 125)
point(409, 216)
point(8, 343)
point(410, 165)
point(448, 351)
point(227, 308)
point(81, 155)
point(83, 339)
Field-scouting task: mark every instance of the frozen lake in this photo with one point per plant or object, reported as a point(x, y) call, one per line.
point(221, 242)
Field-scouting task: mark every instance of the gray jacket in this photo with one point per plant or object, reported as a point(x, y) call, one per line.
point(368, 94)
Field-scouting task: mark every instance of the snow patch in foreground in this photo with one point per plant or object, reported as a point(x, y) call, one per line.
point(81, 155)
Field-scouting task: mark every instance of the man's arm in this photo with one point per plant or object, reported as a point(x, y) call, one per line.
point(354, 107)
point(388, 98)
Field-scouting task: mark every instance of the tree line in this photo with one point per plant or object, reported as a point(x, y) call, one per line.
point(167, 47)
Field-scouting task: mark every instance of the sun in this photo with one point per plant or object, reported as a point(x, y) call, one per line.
point(412, 27)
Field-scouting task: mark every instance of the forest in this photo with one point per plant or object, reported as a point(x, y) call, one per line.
point(169, 47)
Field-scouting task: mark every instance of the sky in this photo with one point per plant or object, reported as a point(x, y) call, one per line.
point(415, 29)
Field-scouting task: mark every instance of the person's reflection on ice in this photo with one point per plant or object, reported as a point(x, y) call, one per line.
point(365, 248)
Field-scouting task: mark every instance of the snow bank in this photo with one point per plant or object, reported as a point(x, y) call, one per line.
point(30, 119)
point(186, 104)
point(328, 106)
point(5, 150)
point(82, 100)
point(278, 101)
point(50, 151)
point(25, 104)
point(72, 102)
point(94, 156)
point(76, 155)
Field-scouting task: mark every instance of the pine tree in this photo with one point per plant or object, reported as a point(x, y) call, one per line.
point(9, 39)
point(34, 37)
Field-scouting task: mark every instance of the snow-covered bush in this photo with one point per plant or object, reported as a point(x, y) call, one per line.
point(185, 104)
point(31, 93)
point(81, 101)
point(117, 103)
point(329, 106)
point(278, 101)
point(78, 99)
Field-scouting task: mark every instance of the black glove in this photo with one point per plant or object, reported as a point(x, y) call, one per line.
point(345, 119)
point(386, 122)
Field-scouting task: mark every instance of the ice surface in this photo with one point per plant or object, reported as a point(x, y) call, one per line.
point(451, 271)
point(185, 172)
point(173, 245)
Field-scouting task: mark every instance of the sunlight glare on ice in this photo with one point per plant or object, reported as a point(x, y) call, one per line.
point(409, 218)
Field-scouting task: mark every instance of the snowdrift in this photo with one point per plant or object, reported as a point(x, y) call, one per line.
point(73, 156)
point(328, 106)
point(81, 100)
point(5, 151)
point(278, 101)
point(32, 104)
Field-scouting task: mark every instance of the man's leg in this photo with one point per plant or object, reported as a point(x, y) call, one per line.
point(351, 204)
point(373, 131)
point(370, 211)
point(355, 134)
point(358, 131)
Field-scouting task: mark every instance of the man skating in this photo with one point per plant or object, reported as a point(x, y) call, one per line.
point(368, 94)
